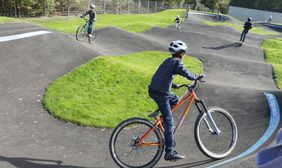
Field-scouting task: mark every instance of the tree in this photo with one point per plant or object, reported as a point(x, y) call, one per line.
point(23, 6)
point(2, 7)
point(46, 7)
point(211, 4)
point(64, 5)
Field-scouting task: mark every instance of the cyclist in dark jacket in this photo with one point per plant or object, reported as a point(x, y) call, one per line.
point(92, 18)
point(177, 19)
point(160, 92)
point(247, 27)
point(177, 22)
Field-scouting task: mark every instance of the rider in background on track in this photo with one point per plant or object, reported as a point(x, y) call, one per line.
point(269, 18)
point(160, 92)
point(177, 19)
point(92, 18)
point(219, 16)
point(187, 13)
point(247, 26)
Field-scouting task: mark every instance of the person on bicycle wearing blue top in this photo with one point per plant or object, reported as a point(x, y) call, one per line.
point(160, 91)
point(92, 18)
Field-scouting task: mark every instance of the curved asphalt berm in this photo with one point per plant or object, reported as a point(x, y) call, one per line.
point(30, 137)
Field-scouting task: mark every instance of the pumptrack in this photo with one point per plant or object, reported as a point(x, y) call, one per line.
point(237, 78)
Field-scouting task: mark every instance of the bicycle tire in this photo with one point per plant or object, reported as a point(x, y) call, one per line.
point(128, 126)
point(92, 39)
point(205, 146)
point(177, 26)
point(80, 33)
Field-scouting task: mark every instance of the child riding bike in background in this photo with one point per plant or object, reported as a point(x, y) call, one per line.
point(160, 92)
point(92, 18)
point(177, 22)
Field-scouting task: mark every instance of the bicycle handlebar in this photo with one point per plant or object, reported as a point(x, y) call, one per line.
point(193, 85)
point(84, 19)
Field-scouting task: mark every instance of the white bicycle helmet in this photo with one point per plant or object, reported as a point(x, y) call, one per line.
point(92, 6)
point(177, 16)
point(177, 46)
point(250, 19)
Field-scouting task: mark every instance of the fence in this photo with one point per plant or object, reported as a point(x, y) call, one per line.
point(122, 7)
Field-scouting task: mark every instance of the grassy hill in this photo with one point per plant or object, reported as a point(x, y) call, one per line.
point(109, 89)
point(273, 54)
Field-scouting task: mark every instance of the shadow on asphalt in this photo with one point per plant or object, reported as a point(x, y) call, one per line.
point(193, 164)
point(278, 29)
point(21, 162)
point(224, 46)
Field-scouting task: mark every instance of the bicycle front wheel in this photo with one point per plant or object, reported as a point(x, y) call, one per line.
point(92, 39)
point(80, 33)
point(128, 150)
point(214, 145)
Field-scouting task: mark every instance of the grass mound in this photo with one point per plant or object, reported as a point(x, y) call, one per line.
point(109, 89)
point(273, 53)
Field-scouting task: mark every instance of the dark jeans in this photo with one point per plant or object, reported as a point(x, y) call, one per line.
point(165, 103)
point(243, 35)
point(90, 26)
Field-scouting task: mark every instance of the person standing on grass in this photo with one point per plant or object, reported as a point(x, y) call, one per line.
point(247, 26)
point(160, 91)
point(92, 18)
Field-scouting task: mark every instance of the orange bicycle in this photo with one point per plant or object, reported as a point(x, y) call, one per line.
point(137, 142)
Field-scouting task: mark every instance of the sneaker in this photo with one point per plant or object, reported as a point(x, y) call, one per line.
point(173, 157)
point(242, 42)
point(90, 35)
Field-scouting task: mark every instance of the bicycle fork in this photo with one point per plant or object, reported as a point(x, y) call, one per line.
point(209, 121)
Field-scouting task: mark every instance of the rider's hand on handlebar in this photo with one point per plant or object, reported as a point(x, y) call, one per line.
point(176, 86)
point(200, 77)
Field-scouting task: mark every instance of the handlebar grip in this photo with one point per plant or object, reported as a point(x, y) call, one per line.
point(200, 77)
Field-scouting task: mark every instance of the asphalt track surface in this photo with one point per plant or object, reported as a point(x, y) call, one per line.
point(236, 79)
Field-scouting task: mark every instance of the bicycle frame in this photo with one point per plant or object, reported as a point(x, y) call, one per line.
point(86, 25)
point(190, 98)
point(177, 25)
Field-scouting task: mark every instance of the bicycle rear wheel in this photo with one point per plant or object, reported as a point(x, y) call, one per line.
point(214, 145)
point(80, 33)
point(126, 149)
point(92, 39)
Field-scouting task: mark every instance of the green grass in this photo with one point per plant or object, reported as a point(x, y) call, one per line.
point(109, 89)
point(273, 53)
point(4, 19)
point(278, 74)
point(132, 22)
point(255, 30)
